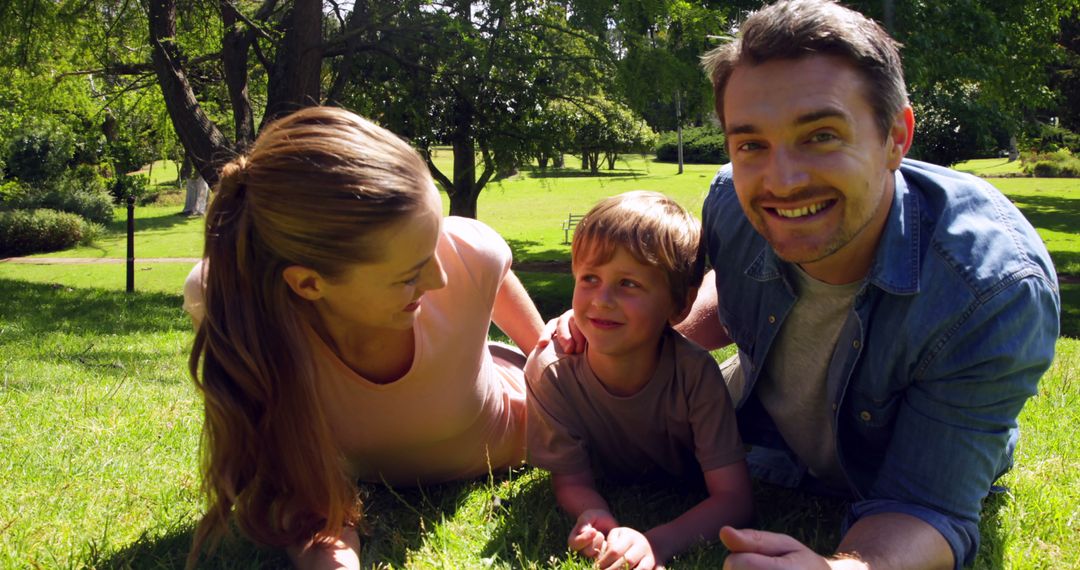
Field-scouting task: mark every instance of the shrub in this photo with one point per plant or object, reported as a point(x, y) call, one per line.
point(40, 153)
point(79, 191)
point(125, 185)
point(24, 232)
point(701, 145)
point(1045, 138)
point(1058, 164)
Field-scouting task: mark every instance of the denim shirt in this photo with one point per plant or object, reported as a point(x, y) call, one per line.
point(947, 338)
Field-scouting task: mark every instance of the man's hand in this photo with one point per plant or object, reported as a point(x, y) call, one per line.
point(563, 330)
point(626, 549)
point(760, 550)
point(587, 536)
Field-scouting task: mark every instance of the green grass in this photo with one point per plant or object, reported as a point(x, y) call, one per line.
point(990, 167)
point(99, 424)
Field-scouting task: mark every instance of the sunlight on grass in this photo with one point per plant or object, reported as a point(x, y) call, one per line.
point(990, 167)
point(99, 422)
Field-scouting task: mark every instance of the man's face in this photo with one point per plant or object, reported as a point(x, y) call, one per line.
point(812, 171)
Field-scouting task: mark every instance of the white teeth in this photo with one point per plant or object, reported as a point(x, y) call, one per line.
point(800, 212)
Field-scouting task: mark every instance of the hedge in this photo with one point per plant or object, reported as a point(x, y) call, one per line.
point(23, 232)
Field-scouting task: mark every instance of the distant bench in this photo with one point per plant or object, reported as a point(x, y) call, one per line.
point(569, 224)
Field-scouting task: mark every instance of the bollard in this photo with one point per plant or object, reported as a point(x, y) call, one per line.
point(131, 243)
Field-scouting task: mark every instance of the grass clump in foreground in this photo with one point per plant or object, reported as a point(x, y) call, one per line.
point(100, 425)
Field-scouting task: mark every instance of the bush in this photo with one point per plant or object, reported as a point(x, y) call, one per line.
point(1045, 138)
point(1057, 164)
point(125, 185)
point(701, 145)
point(40, 153)
point(79, 191)
point(24, 232)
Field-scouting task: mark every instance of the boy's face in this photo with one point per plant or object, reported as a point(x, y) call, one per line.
point(623, 305)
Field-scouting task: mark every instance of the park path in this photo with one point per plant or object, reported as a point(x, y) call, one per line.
point(543, 266)
point(90, 260)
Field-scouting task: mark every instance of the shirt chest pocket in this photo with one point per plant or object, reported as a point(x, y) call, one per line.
point(871, 416)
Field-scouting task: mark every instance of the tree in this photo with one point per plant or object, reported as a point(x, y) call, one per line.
point(474, 75)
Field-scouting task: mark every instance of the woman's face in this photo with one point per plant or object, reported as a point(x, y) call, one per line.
point(373, 298)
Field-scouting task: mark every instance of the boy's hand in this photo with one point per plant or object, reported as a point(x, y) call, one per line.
point(626, 548)
point(587, 536)
point(563, 330)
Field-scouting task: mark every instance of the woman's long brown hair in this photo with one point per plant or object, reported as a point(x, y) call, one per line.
point(312, 191)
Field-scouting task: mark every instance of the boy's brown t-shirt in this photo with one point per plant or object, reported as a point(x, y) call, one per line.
point(681, 423)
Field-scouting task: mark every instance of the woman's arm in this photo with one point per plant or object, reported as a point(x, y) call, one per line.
point(515, 313)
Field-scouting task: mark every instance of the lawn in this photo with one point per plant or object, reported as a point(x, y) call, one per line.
point(99, 424)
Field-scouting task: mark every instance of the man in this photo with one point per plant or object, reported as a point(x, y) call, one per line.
point(892, 317)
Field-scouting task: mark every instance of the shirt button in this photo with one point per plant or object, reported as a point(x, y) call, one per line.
point(834, 406)
point(772, 319)
point(856, 344)
point(865, 416)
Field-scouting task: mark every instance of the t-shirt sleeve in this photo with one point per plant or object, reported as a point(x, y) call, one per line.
point(194, 293)
point(553, 441)
point(712, 416)
point(480, 251)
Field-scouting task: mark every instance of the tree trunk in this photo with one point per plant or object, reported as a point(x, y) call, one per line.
point(542, 162)
point(204, 142)
point(558, 161)
point(234, 60)
point(611, 156)
point(195, 197)
point(463, 190)
point(295, 78)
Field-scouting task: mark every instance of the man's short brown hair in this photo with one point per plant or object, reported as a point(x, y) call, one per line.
point(792, 29)
point(654, 229)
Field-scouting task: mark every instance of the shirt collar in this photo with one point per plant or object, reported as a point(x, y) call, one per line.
point(896, 263)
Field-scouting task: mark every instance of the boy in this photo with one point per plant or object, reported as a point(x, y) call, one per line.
point(641, 401)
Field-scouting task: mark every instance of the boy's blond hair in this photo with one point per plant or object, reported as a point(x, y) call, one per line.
point(654, 229)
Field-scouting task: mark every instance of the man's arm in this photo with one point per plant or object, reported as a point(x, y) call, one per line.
point(887, 541)
point(949, 442)
point(515, 314)
point(703, 325)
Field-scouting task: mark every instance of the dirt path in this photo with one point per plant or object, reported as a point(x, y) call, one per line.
point(90, 260)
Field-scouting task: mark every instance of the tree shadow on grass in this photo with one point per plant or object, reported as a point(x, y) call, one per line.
point(395, 524)
point(170, 550)
point(396, 521)
point(35, 308)
point(559, 253)
point(534, 529)
point(576, 173)
point(531, 526)
point(992, 544)
point(147, 222)
point(1051, 212)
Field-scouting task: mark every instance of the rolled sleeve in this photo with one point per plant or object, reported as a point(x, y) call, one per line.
point(961, 534)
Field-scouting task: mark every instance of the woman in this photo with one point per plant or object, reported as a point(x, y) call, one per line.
point(342, 335)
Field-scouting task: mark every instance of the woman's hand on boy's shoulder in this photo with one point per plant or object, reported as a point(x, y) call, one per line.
point(563, 330)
